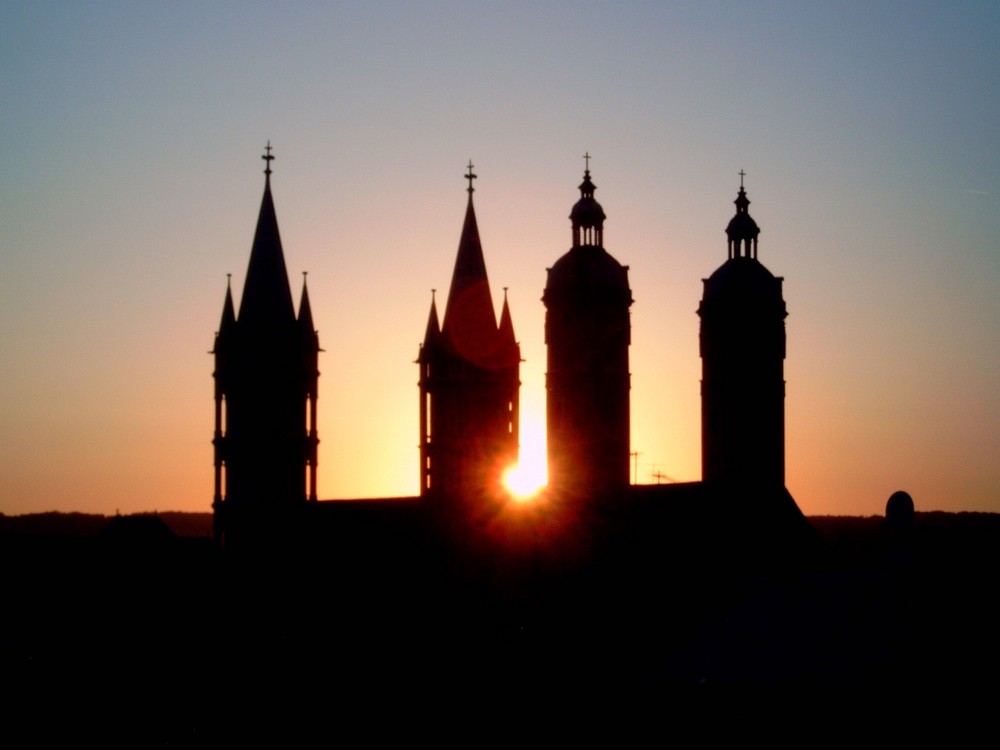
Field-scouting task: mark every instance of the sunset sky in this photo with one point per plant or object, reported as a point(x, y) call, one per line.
point(131, 136)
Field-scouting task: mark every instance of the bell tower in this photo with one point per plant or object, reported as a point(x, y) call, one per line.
point(587, 335)
point(266, 377)
point(742, 342)
point(469, 381)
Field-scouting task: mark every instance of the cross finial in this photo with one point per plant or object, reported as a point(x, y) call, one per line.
point(229, 280)
point(267, 159)
point(742, 175)
point(470, 177)
point(586, 161)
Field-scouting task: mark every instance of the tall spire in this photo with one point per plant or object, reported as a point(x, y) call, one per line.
point(469, 380)
point(267, 298)
point(470, 322)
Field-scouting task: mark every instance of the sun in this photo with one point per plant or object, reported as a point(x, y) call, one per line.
point(523, 482)
point(526, 479)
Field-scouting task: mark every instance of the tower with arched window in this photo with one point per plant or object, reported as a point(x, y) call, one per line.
point(266, 376)
point(469, 381)
point(587, 335)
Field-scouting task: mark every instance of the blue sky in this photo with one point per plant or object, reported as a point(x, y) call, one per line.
point(131, 180)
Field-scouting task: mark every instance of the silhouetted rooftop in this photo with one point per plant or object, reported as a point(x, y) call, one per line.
point(743, 278)
point(587, 269)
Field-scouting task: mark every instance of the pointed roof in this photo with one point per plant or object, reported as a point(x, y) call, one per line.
point(470, 323)
point(228, 311)
point(433, 328)
point(267, 297)
point(506, 323)
point(305, 309)
point(508, 350)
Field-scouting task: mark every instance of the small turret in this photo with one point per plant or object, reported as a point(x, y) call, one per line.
point(587, 216)
point(742, 230)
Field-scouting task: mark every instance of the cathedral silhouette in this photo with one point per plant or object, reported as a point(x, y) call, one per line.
point(266, 377)
point(469, 382)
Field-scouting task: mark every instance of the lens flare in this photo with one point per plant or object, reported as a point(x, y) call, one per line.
point(524, 482)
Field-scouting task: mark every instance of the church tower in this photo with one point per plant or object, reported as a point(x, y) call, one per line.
point(587, 334)
point(469, 382)
point(742, 343)
point(266, 378)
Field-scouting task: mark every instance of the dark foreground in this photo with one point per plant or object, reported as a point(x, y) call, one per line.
point(137, 627)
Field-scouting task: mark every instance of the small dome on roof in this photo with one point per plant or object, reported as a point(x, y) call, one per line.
point(587, 212)
point(742, 226)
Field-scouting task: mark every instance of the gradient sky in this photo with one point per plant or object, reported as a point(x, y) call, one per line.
point(131, 137)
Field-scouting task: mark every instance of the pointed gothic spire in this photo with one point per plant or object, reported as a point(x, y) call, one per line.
point(305, 309)
point(509, 350)
point(228, 311)
point(469, 320)
point(267, 297)
point(433, 329)
point(506, 323)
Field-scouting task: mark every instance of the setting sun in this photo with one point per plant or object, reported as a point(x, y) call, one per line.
point(526, 479)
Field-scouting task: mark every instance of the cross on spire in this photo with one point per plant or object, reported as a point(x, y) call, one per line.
point(586, 161)
point(742, 175)
point(267, 159)
point(470, 177)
